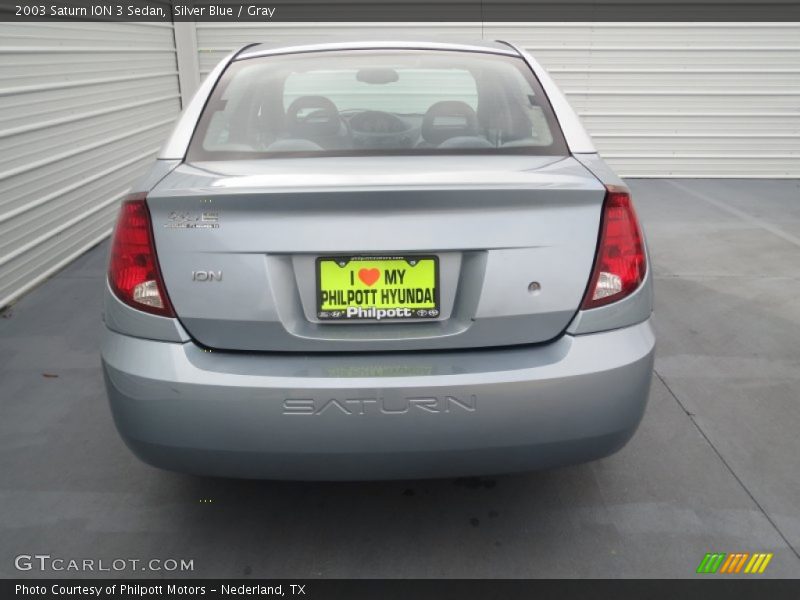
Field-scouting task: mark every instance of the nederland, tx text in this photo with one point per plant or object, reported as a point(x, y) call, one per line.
point(134, 590)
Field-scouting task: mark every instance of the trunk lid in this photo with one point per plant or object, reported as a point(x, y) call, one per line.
point(238, 243)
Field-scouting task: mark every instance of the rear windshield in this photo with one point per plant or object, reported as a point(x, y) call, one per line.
point(376, 102)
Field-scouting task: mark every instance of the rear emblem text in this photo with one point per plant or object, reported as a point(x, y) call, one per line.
point(181, 219)
point(206, 275)
point(380, 405)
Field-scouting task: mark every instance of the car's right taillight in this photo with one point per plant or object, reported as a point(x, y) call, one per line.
point(133, 271)
point(621, 261)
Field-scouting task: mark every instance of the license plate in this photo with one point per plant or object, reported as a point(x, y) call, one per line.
point(376, 288)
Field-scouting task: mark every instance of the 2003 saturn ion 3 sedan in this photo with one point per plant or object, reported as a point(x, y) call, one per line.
point(377, 261)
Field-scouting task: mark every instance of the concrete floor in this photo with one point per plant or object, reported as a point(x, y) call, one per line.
point(714, 467)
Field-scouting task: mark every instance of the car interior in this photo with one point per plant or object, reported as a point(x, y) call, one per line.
point(358, 109)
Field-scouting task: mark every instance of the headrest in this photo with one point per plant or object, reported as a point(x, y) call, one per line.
point(320, 118)
point(447, 119)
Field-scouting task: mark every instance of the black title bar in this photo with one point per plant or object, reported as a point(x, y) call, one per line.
point(400, 10)
point(407, 589)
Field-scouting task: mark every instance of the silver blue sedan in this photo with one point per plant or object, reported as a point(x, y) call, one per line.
point(376, 261)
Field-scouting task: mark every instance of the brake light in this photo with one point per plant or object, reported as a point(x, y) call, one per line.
point(621, 263)
point(133, 269)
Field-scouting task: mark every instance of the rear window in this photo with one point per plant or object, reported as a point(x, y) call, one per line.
point(376, 102)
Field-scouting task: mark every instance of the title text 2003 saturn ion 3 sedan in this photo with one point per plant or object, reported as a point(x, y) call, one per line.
point(376, 261)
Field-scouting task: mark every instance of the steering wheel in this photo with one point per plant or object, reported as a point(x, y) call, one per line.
point(375, 121)
point(377, 129)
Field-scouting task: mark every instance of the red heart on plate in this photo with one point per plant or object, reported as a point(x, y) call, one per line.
point(369, 276)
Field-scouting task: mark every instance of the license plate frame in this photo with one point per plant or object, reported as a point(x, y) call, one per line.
point(370, 313)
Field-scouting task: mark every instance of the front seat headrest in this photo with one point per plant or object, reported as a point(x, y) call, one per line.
point(319, 117)
point(448, 119)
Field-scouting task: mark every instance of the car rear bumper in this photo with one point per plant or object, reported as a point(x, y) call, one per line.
point(378, 416)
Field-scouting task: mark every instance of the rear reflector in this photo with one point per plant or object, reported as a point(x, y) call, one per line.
point(621, 262)
point(133, 271)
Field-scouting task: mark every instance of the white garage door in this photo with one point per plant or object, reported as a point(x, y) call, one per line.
point(660, 100)
point(83, 108)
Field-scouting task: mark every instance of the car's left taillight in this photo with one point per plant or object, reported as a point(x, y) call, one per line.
point(621, 262)
point(133, 271)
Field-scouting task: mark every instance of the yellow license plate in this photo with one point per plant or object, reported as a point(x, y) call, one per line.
point(376, 288)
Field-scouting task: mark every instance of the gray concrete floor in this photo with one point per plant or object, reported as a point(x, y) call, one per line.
point(714, 467)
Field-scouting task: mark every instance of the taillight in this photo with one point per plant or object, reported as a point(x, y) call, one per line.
point(621, 263)
point(133, 269)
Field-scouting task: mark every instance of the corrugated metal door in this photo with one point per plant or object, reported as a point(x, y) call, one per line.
point(679, 99)
point(83, 108)
point(660, 99)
